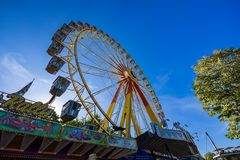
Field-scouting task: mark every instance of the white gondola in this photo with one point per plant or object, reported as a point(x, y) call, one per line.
point(116, 45)
point(59, 86)
point(148, 86)
point(59, 36)
point(55, 48)
point(132, 62)
point(122, 50)
point(159, 107)
point(111, 41)
point(79, 25)
point(55, 64)
point(65, 29)
point(106, 37)
point(73, 25)
point(144, 79)
point(136, 67)
point(152, 92)
point(99, 33)
point(128, 56)
point(155, 100)
point(94, 29)
point(86, 25)
point(70, 110)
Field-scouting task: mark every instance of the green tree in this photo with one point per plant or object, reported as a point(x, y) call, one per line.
point(217, 86)
point(209, 156)
point(54, 117)
point(91, 121)
point(75, 123)
point(79, 123)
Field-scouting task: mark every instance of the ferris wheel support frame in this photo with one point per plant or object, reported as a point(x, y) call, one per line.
point(146, 105)
point(126, 114)
point(112, 106)
point(135, 123)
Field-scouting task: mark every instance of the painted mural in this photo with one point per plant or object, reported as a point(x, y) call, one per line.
point(122, 142)
point(83, 135)
point(21, 124)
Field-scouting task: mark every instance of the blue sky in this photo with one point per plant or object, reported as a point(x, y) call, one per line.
point(166, 38)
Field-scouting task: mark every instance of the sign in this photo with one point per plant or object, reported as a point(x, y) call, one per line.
point(83, 135)
point(17, 104)
point(94, 137)
point(122, 142)
point(21, 124)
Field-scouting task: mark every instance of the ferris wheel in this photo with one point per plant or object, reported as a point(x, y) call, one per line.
point(105, 77)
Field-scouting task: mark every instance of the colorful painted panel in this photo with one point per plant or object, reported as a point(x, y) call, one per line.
point(122, 142)
point(83, 135)
point(21, 124)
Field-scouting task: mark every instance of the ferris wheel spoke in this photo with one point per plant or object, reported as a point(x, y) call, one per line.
point(93, 74)
point(135, 123)
point(144, 89)
point(68, 59)
point(70, 39)
point(112, 105)
point(84, 56)
point(119, 65)
point(103, 75)
point(146, 104)
point(103, 59)
point(79, 84)
point(147, 94)
point(91, 51)
point(93, 40)
point(105, 46)
point(99, 69)
point(139, 109)
point(103, 89)
point(118, 108)
point(122, 61)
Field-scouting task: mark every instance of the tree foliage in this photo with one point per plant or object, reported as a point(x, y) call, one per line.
point(54, 117)
point(75, 123)
point(89, 120)
point(217, 86)
point(209, 156)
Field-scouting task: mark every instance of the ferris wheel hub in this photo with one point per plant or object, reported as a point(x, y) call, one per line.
point(125, 73)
